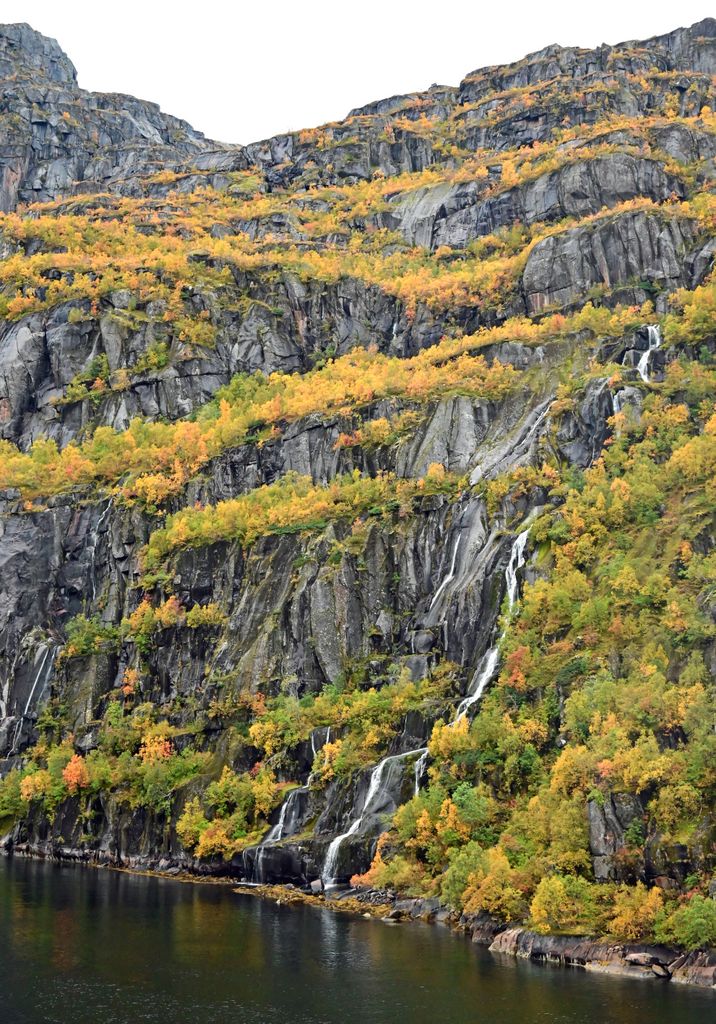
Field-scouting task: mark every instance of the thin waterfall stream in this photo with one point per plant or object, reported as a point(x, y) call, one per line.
point(374, 788)
point(619, 398)
point(654, 339)
point(483, 676)
point(290, 812)
point(95, 543)
point(491, 659)
point(50, 649)
point(282, 826)
point(448, 579)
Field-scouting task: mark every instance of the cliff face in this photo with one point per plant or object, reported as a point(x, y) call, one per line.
point(238, 610)
point(58, 139)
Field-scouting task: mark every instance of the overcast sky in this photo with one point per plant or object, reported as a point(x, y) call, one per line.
point(241, 71)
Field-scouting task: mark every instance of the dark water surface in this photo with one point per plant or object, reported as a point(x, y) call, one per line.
point(79, 946)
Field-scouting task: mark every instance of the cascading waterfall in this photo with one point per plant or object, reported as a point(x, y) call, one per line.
point(327, 739)
point(486, 671)
point(282, 827)
point(374, 787)
point(490, 661)
point(523, 443)
point(419, 769)
point(543, 412)
point(290, 809)
point(617, 406)
point(376, 778)
point(483, 676)
point(654, 336)
point(448, 579)
point(48, 651)
point(95, 543)
point(516, 562)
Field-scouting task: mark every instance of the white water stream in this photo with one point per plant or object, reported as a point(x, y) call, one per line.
point(483, 676)
point(448, 579)
point(48, 650)
point(95, 543)
point(490, 661)
point(642, 367)
point(374, 789)
point(280, 829)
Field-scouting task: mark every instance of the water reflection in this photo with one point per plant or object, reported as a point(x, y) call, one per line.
point(89, 946)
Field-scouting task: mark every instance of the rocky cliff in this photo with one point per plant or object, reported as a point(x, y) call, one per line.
point(357, 483)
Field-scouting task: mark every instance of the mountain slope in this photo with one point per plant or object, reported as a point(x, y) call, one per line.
point(358, 482)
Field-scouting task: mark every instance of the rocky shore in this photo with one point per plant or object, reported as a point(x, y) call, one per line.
point(591, 953)
point(357, 483)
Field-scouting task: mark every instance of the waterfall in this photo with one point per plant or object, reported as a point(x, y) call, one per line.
point(419, 770)
point(374, 788)
point(517, 560)
point(483, 676)
point(487, 669)
point(50, 648)
point(326, 739)
point(490, 661)
point(290, 813)
point(617, 405)
point(496, 463)
point(642, 367)
point(95, 544)
point(449, 578)
point(285, 822)
point(289, 816)
point(543, 412)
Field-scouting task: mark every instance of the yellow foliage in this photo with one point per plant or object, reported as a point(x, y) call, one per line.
point(36, 785)
point(635, 912)
point(292, 504)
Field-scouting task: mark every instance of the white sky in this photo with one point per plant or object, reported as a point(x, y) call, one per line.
point(241, 71)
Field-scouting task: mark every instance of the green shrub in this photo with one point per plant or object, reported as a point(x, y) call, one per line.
point(87, 636)
point(692, 926)
point(11, 803)
point(563, 904)
point(463, 862)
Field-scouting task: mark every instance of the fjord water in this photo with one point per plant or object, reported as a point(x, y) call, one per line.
point(103, 947)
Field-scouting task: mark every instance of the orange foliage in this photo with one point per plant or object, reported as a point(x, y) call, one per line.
point(155, 748)
point(76, 774)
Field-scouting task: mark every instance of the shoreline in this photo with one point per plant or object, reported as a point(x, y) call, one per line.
point(642, 961)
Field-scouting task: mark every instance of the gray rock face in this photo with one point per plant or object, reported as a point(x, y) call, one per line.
point(287, 325)
point(71, 559)
point(607, 827)
point(627, 251)
point(582, 433)
point(58, 139)
point(685, 144)
point(691, 48)
point(428, 590)
point(456, 214)
point(21, 46)
point(422, 587)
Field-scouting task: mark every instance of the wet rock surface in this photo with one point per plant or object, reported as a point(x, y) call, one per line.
point(656, 963)
point(427, 586)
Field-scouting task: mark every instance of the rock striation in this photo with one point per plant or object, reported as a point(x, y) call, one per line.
point(58, 139)
point(601, 216)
